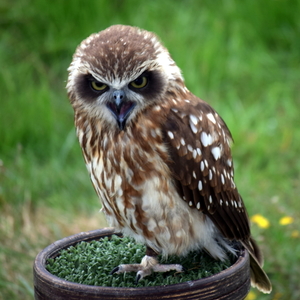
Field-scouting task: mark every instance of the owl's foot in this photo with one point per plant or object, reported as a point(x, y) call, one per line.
point(148, 265)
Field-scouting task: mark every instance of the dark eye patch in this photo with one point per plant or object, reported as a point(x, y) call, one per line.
point(84, 89)
point(154, 87)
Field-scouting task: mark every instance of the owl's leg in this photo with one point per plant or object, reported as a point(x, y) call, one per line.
point(148, 265)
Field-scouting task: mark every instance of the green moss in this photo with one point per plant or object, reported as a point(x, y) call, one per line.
point(91, 263)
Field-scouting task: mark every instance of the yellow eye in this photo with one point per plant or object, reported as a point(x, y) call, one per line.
point(98, 86)
point(140, 82)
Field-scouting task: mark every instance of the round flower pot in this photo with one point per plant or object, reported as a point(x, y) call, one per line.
point(232, 283)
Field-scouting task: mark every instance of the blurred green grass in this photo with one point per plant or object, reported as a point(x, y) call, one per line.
point(241, 57)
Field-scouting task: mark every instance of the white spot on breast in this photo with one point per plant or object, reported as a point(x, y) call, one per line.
point(129, 173)
point(198, 205)
point(216, 152)
point(174, 110)
point(187, 101)
point(179, 234)
point(153, 133)
point(211, 118)
point(157, 108)
point(190, 148)
point(171, 135)
point(118, 181)
point(194, 175)
point(190, 203)
point(104, 141)
point(221, 202)
point(182, 142)
point(120, 205)
point(210, 199)
point(200, 185)
point(162, 223)
point(151, 225)
point(120, 193)
point(206, 139)
point(210, 175)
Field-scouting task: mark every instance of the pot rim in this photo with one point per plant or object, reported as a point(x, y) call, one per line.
point(53, 249)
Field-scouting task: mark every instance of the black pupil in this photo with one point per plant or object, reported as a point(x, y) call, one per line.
point(139, 81)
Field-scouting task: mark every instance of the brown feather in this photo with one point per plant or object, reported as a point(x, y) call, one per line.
point(209, 171)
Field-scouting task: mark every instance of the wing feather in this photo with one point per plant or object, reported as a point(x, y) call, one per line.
point(199, 146)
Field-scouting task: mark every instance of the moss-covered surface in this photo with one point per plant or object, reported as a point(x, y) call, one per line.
point(91, 263)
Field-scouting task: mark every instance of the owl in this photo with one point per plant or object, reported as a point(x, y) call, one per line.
point(158, 156)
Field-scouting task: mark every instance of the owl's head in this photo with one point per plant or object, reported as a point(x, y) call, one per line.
point(118, 72)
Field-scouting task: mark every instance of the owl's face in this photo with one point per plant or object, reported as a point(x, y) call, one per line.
point(118, 72)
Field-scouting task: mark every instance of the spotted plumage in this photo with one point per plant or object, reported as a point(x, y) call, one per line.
point(159, 157)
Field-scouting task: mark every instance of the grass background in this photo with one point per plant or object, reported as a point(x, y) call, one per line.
point(240, 56)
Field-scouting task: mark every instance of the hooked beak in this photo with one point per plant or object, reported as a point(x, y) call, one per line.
point(120, 108)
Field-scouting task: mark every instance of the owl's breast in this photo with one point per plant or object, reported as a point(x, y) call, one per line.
point(138, 195)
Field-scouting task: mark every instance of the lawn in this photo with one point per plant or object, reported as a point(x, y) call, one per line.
point(240, 56)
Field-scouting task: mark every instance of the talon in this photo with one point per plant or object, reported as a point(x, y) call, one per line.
point(137, 279)
point(115, 270)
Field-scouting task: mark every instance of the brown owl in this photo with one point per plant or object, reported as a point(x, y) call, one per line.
point(159, 157)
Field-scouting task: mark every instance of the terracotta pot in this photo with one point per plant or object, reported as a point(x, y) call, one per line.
point(232, 283)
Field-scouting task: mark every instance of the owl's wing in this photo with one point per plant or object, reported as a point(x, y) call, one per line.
point(198, 141)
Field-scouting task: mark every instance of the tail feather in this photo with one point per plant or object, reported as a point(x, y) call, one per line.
point(259, 278)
